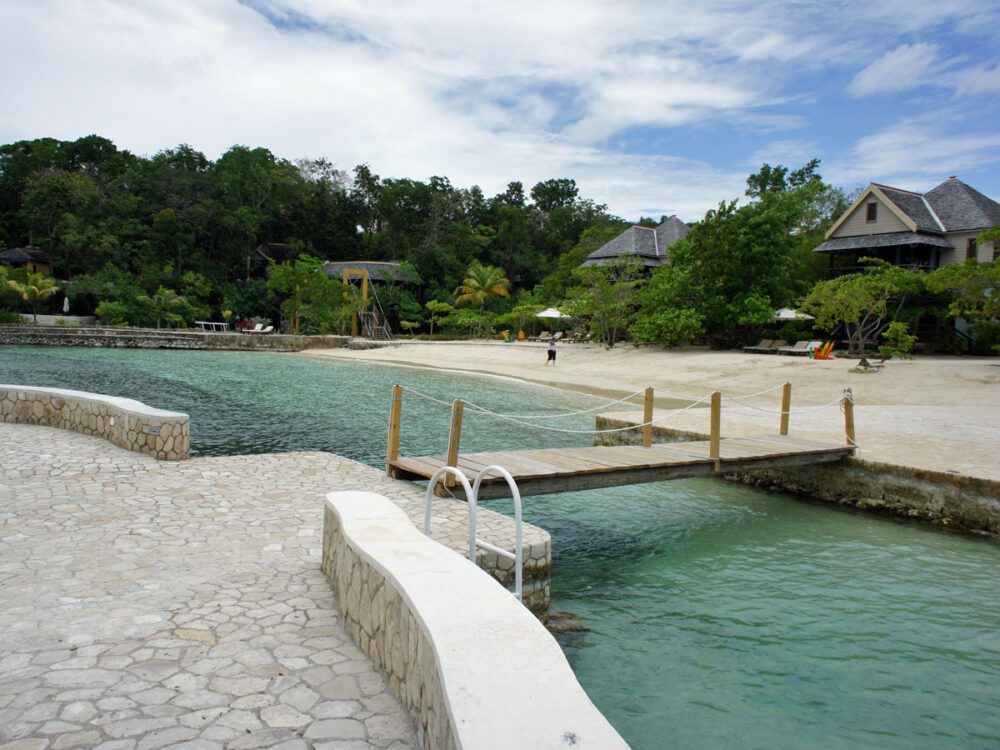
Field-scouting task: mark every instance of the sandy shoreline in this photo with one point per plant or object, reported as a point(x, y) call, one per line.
point(940, 413)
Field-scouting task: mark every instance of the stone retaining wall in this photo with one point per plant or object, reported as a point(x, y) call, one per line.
point(150, 338)
point(948, 499)
point(124, 422)
point(472, 666)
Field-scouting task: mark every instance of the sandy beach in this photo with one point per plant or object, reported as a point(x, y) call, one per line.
point(931, 412)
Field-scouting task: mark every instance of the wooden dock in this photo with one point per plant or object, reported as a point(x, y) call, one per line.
point(538, 472)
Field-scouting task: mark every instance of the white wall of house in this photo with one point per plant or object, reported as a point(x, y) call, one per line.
point(857, 224)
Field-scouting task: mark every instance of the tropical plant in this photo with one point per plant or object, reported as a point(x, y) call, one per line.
point(897, 341)
point(605, 296)
point(36, 289)
point(973, 288)
point(438, 312)
point(864, 303)
point(482, 282)
point(165, 304)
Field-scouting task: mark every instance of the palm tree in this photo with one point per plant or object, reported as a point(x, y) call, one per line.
point(481, 283)
point(37, 288)
point(162, 303)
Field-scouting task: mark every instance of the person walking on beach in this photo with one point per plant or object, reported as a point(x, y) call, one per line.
point(552, 353)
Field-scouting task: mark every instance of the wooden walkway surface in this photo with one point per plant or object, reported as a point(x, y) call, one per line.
point(564, 469)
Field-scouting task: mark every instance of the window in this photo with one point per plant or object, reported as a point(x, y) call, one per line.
point(970, 248)
point(872, 212)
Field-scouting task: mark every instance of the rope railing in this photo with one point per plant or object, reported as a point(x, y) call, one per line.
point(846, 403)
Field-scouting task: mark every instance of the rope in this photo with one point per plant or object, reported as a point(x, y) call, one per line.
point(781, 411)
point(483, 410)
point(754, 395)
point(670, 416)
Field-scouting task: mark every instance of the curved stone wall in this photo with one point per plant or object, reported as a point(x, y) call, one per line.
point(122, 421)
point(474, 667)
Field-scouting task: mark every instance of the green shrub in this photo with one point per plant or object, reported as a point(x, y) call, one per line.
point(897, 341)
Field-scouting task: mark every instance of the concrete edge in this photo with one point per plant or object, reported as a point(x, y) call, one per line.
point(123, 422)
point(505, 680)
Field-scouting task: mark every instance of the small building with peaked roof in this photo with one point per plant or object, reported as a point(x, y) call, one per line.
point(29, 257)
point(905, 228)
point(649, 246)
point(377, 270)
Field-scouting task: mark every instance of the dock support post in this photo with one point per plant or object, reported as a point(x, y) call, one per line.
point(454, 437)
point(647, 419)
point(716, 425)
point(849, 417)
point(786, 406)
point(395, 415)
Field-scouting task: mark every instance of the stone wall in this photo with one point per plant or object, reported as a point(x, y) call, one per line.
point(149, 338)
point(124, 422)
point(948, 499)
point(472, 666)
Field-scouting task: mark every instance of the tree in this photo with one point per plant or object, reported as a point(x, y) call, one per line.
point(973, 288)
point(312, 302)
point(438, 312)
point(36, 289)
point(605, 295)
point(481, 283)
point(864, 303)
point(166, 304)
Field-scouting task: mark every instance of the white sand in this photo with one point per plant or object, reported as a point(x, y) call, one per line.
point(940, 413)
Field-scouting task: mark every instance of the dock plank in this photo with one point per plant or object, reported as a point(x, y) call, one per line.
point(543, 470)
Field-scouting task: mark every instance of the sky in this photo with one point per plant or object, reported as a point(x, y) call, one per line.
point(658, 107)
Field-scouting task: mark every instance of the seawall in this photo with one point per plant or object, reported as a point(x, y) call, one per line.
point(152, 338)
point(969, 503)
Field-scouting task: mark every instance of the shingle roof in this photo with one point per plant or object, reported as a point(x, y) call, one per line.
point(914, 206)
point(377, 270)
point(24, 255)
point(864, 241)
point(962, 208)
point(649, 245)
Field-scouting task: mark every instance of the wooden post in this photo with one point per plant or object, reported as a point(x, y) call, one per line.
point(714, 435)
point(786, 407)
point(647, 419)
point(395, 414)
point(849, 417)
point(454, 437)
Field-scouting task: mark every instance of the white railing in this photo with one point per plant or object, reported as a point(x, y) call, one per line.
point(472, 495)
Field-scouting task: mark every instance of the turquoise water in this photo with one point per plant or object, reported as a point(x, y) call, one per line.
point(720, 616)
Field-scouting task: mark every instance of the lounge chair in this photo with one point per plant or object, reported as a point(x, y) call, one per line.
point(763, 346)
point(800, 348)
point(256, 329)
point(544, 336)
point(269, 329)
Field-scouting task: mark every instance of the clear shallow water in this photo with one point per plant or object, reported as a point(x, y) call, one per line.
point(720, 616)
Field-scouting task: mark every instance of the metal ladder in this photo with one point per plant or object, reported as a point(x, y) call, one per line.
point(471, 495)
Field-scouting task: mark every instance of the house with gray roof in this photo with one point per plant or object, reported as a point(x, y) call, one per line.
point(921, 230)
point(646, 244)
point(29, 257)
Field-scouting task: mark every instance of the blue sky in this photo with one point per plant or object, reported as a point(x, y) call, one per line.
point(653, 107)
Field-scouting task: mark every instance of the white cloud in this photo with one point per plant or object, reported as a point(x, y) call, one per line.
point(906, 67)
point(918, 154)
point(481, 92)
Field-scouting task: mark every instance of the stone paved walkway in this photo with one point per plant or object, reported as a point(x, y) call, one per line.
point(148, 605)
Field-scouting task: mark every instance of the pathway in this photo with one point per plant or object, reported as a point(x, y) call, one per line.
point(148, 605)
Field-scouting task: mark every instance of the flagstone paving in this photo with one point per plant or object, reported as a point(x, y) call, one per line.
point(147, 604)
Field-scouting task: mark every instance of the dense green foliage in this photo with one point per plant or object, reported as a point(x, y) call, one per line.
point(108, 218)
point(176, 237)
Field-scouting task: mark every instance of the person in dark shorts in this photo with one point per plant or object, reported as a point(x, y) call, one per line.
point(552, 353)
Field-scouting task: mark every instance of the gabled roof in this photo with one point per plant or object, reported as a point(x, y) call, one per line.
point(647, 244)
point(24, 255)
point(892, 239)
point(952, 206)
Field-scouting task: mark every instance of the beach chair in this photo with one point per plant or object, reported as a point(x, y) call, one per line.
point(256, 329)
point(544, 336)
point(761, 348)
point(775, 346)
point(268, 329)
point(823, 352)
point(800, 348)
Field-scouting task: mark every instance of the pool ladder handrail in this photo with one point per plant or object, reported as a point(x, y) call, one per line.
point(472, 495)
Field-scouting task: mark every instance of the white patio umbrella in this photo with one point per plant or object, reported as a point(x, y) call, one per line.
point(551, 313)
point(787, 313)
